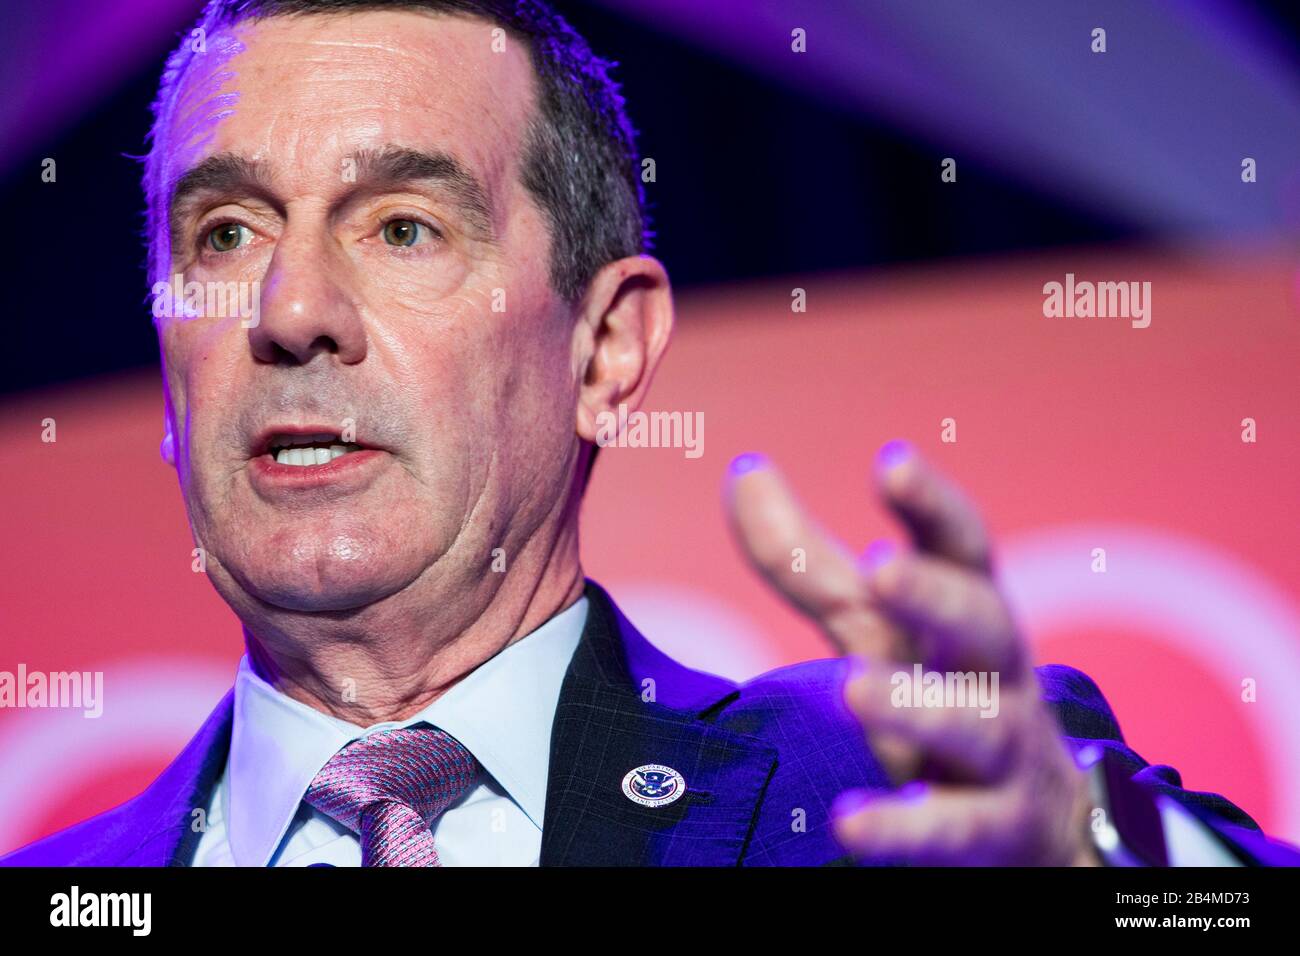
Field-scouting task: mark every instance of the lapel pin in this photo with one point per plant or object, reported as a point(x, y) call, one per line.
point(653, 785)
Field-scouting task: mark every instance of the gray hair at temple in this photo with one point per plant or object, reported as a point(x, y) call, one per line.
point(580, 162)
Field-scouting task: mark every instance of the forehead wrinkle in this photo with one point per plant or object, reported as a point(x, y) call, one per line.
point(186, 125)
point(364, 43)
point(206, 98)
point(198, 103)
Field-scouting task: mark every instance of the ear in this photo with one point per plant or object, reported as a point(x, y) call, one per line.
point(168, 447)
point(625, 321)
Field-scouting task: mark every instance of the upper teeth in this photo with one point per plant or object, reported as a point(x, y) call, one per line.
point(307, 450)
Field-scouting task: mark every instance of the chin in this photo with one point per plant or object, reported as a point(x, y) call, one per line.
point(342, 572)
point(315, 593)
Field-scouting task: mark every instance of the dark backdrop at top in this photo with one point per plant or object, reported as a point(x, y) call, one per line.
point(753, 178)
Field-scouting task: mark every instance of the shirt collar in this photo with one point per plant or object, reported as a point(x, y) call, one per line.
point(502, 712)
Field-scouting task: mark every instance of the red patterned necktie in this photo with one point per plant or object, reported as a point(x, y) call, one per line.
point(389, 787)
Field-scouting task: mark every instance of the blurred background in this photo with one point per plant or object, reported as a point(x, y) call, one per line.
point(775, 170)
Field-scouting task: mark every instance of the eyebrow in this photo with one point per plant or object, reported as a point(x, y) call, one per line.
point(391, 167)
point(222, 173)
point(385, 169)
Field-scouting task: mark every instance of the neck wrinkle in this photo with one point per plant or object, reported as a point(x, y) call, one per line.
point(558, 584)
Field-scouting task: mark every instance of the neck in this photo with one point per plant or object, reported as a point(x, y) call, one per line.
point(391, 659)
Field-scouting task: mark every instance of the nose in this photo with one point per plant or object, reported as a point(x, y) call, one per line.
point(305, 310)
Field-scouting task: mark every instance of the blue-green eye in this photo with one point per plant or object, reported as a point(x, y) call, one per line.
point(226, 237)
point(401, 232)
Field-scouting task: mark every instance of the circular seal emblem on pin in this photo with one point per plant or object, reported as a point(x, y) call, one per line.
point(653, 785)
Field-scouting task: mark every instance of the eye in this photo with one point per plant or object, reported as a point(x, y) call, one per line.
point(227, 236)
point(401, 232)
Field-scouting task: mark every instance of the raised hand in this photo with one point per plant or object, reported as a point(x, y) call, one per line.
point(978, 784)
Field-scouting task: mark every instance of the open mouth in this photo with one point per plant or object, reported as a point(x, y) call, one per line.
point(307, 450)
point(317, 450)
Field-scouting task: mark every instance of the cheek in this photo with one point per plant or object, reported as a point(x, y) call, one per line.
point(535, 400)
point(492, 392)
point(209, 370)
point(175, 342)
point(406, 283)
point(203, 375)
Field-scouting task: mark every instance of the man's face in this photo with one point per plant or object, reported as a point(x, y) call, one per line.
point(405, 305)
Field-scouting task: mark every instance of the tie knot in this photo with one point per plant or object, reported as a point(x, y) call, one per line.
point(422, 768)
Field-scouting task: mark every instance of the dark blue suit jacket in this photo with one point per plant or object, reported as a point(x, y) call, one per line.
point(757, 757)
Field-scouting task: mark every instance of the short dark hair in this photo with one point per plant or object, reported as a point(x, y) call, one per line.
point(580, 161)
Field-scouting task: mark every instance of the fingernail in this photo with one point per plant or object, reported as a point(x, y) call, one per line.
point(857, 667)
point(852, 687)
point(893, 453)
point(749, 461)
point(1086, 756)
point(912, 792)
point(879, 553)
point(849, 802)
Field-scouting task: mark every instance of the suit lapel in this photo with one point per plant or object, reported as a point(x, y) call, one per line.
point(603, 729)
point(163, 831)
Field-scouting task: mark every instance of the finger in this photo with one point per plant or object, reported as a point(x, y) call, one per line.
point(1038, 817)
point(801, 561)
point(957, 617)
point(939, 516)
point(959, 727)
point(900, 758)
point(783, 543)
point(930, 825)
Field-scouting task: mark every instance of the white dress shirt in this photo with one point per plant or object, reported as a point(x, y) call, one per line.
point(502, 712)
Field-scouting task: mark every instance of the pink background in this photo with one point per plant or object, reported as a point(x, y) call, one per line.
point(1072, 434)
